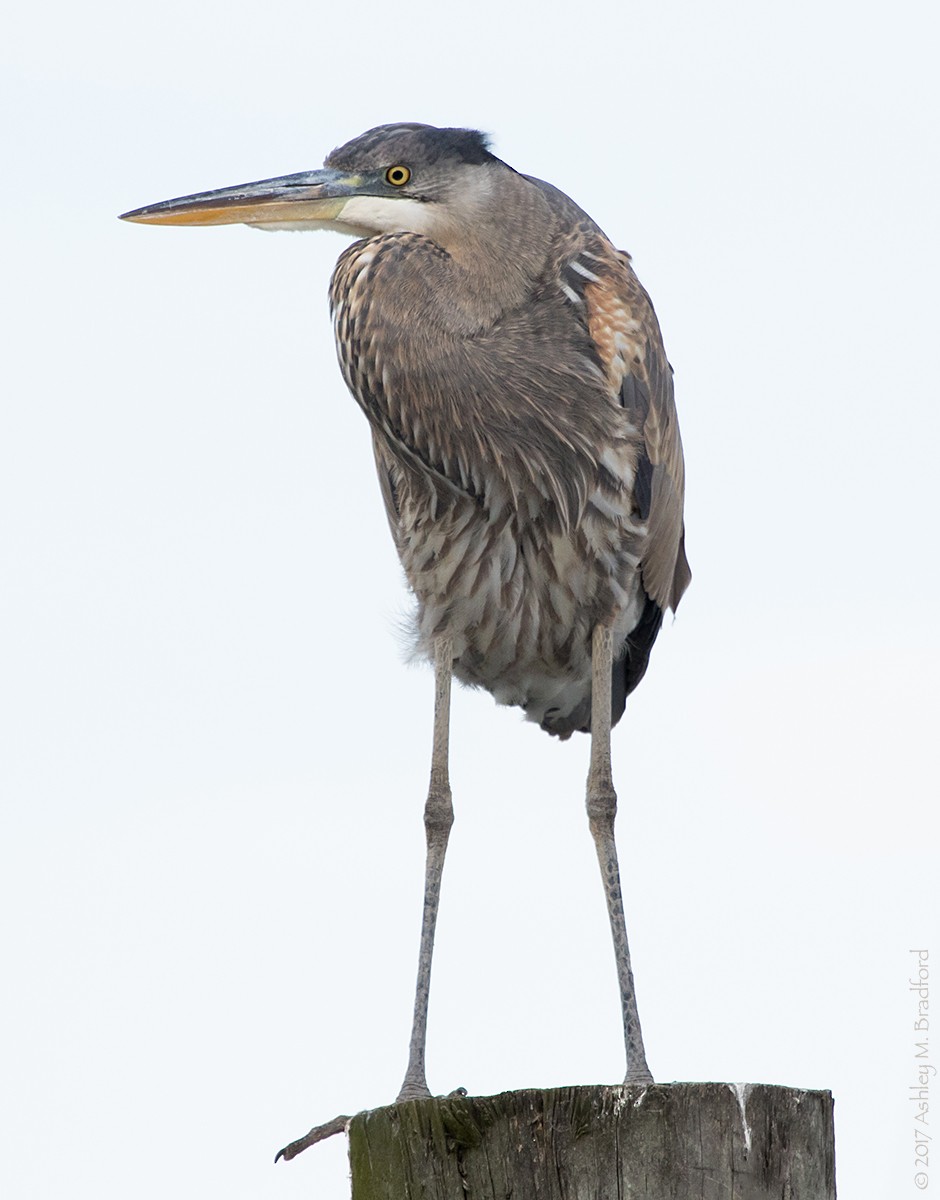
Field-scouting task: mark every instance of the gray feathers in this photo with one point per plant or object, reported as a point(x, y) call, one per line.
point(413, 144)
point(512, 370)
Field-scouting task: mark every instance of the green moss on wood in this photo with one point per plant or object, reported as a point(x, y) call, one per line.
point(661, 1142)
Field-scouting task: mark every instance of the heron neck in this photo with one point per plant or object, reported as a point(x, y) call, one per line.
point(500, 247)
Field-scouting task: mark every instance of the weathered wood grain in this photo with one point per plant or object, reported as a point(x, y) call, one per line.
point(679, 1141)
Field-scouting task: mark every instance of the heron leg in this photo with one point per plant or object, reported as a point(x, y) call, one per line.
point(602, 809)
point(438, 818)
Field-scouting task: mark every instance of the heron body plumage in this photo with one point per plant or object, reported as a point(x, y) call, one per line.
point(526, 444)
point(512, 371)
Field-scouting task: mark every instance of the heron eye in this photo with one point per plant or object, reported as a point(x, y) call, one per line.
point(397, 176)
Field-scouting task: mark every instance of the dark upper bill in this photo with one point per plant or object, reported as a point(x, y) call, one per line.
point(306, 196)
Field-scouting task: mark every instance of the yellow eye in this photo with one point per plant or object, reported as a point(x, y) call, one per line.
point(397, 176)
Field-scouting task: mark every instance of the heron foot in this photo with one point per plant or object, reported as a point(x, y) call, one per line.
point(413, 1089)
point(639, 1076)
point(318, 1133)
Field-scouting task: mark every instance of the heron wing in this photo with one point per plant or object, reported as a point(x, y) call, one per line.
point(626, 333)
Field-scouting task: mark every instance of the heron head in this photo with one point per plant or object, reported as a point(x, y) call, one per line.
point(391, 179)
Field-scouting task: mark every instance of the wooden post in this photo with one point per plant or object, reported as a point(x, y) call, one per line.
point(678, 1141)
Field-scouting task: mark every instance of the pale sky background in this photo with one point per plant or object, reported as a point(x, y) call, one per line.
point(214, 760)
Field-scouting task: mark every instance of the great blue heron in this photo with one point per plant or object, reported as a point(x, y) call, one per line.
point(513, 374)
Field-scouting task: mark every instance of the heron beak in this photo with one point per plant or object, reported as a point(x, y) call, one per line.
point(312, 197)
